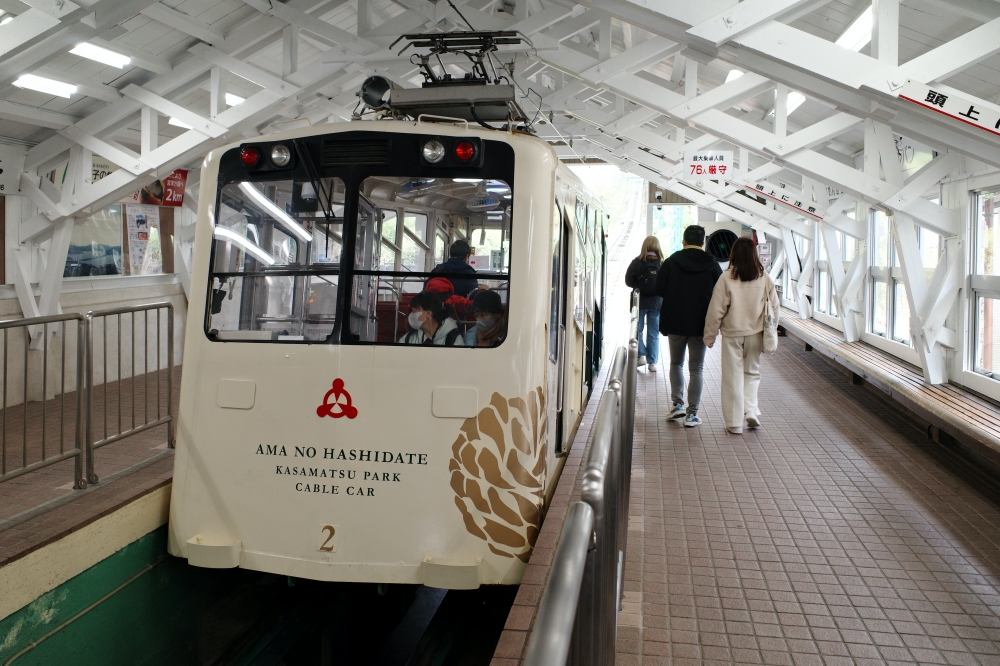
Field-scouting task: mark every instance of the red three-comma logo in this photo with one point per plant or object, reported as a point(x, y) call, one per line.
point(337, 402)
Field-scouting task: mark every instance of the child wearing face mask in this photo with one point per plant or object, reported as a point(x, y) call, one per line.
point(431, 322)
point(491, 325)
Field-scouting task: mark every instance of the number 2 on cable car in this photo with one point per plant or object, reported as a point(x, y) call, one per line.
point(327, 543)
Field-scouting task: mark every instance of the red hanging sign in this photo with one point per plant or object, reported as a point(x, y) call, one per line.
point(166, 192)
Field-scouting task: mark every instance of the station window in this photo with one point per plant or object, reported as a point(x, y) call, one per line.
point(415, 256)
point(890, 309)
point(96, 245)
point(823, 286)
point(986, 286)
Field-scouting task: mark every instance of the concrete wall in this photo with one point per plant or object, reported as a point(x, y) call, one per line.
point(82, 295)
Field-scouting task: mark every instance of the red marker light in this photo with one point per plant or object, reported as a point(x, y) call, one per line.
point(250, 156)
point(465, 151)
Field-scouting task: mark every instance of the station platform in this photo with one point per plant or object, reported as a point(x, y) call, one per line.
point(41, 507)
point(837, 533)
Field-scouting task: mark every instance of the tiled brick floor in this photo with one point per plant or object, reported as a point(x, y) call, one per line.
point(836, 534)
point(42, 505)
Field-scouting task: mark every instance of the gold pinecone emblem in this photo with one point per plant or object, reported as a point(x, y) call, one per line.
point(498, 472)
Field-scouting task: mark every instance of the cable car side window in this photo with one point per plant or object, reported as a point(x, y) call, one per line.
point(275, 260)
point(443, 278)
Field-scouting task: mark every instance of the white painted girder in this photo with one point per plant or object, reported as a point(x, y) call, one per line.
point(803, 61)
point(556, 23)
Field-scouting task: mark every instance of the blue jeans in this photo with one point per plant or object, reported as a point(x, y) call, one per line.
point(650, 347)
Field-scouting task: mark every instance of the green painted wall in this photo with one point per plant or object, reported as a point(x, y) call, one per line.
point(157, 619)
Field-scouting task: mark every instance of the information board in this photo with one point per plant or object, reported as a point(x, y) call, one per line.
point(710, 164)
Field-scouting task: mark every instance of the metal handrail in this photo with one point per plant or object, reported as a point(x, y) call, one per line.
point(553, 629)
point(91, 443)
point(577, 617)
point(85, 443)
point(78, 451)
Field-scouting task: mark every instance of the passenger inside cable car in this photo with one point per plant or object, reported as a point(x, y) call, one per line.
point(458, 264)
point(444, 288)
point(432, 322)
point(491, 323)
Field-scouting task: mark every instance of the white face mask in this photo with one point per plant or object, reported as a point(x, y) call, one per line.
point(485, 323)
point(414, 319)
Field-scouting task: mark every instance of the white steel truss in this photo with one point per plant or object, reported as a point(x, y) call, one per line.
point(639, 104)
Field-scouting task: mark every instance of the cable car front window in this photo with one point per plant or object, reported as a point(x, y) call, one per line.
point(431, 219)
point(276, 260)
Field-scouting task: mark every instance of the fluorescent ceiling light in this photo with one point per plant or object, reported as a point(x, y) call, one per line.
point(858, 33)
point(179, 123)
point(275, 212)
point(6, 20)
point(733, 75)
point(101, 55)
point(44, 85)
point(244, 242)
point(466, 180)
point(794, 101)
point(233, 100)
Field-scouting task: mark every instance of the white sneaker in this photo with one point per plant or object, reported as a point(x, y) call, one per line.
point(735, 431)
point(641, 362)
point(651, 367)
point(753, 421)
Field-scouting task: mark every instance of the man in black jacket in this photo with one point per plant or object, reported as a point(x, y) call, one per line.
point(458, 262)
point(686, 282)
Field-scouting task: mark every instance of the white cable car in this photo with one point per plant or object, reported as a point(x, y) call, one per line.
point(317, 437)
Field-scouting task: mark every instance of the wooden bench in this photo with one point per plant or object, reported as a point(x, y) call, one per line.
point(947, 409)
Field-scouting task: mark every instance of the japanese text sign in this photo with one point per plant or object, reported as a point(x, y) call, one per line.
point(168, 192)
point(976, 114)
point(786, 199)
point(710, 164)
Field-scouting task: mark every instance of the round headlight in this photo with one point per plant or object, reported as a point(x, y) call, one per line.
point(280, 155)
point(433, 151)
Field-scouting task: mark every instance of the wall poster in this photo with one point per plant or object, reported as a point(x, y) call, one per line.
point(143, 239)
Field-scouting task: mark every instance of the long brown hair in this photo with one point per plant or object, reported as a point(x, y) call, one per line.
point(651, 244)
point(744, 263)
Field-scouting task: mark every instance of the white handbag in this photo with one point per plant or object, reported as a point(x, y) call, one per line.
point(770, 319)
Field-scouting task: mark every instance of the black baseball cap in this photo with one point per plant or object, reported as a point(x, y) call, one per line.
point(486, 301)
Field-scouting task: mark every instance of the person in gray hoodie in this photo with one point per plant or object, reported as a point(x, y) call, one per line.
point(685, 282)
point(430, 323)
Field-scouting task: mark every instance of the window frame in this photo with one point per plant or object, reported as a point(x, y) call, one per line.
point(891, 276)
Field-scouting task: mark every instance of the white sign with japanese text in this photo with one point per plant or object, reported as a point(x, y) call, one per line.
point(710, 164)
point(953, 106)
point(779, 196)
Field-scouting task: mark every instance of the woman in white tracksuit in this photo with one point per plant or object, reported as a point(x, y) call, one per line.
point(737, 311)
